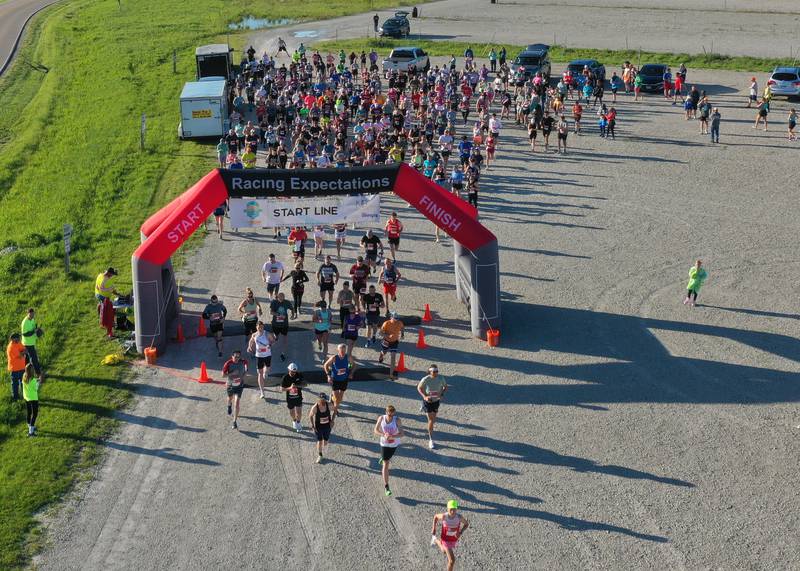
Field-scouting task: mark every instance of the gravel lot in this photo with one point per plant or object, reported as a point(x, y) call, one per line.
point(613, 428)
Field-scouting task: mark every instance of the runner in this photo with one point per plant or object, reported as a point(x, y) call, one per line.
point(562, 129)
point(352, 323)
point(792, 125)
point(319, 417)
point(431, 388)
point(319, 241)
point(250, 310)
point(373, 302)
point(327, 278)
point(360, 273)
point(322, 325)
point(392, 331)
point(577, 113)
point(297, 240)
point(234, 370)
point(456, 182)
point(299, 278)
point(339, 369)
point(547, 127)
point(280, 309)
point(697, 276)
point(340, 235)
point(219, 218)
point(393, 230)
point(260, 346)
point(389, 277)
point(388, 427)
point(371, 244)
point(453, 527)
point(345, 299)
point(215, 312)
point(292, 384)
point(272, 275)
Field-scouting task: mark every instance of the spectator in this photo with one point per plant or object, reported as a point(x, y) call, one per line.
point(30, 335)
point(715, 118)
point(16, 363)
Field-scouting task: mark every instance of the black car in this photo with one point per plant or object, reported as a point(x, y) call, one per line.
point(535, 58)
point(652, 75)
point(576, 69)
point(396, 26)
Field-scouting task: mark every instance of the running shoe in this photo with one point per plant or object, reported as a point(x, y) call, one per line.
point(219, 354)
point(367, 342)
point(431, 445)
point(235, 426)
point(380, 461)
point(422, 407)
point(380, 358)
point(319, 459)
point(388, 492)
point(263, 396)
point(299, 427)
point(230, 409)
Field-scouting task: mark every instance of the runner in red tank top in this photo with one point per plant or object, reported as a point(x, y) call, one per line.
point(453, 526)
point(393, 230)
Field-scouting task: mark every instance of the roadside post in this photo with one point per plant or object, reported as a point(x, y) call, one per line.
point(142, 131)
point(67, 245)
point(174, 61)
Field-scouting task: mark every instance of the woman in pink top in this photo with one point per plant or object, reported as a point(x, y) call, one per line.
point(453, 526)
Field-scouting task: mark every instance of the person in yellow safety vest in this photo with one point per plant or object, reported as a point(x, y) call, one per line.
point(102, 288)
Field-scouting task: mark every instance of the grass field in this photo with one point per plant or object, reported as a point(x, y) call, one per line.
point(69, 153)
point(560, 54)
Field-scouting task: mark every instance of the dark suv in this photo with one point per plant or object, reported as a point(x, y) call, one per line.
point(535, 58)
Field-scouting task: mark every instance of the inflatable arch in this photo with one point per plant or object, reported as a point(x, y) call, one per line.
point(477, 268)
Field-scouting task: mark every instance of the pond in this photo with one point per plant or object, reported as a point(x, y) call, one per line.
point(253, 23)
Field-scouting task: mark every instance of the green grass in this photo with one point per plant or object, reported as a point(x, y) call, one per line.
point(611, 58)
point(69, 152)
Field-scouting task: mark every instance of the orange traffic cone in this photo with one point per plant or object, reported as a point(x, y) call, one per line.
point(401, 364)
point(427, 316)
point(201, 329)
point(204, 378)
point(421, 339)
point(179, 337)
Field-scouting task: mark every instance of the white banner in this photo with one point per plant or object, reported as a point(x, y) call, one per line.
point(364, 209)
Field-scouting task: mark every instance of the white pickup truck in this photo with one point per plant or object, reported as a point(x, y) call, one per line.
point(405, 59)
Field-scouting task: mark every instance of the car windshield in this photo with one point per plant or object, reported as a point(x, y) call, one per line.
point(529, 60)
point(784, 76)
point(402, 54)
point(653, 69)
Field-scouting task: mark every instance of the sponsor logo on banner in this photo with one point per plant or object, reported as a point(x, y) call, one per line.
point(269, 213)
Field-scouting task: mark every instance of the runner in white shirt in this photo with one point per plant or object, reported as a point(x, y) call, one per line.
point(260, 346)
point(319, 241)
point(272, 274)
point(389, 429)
point(495, 125)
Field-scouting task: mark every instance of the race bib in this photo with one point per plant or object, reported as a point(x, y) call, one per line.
point(280, 318)
point(324, 420)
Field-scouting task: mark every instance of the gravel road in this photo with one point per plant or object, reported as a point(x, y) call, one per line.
point(613, 428)
point(14, 16)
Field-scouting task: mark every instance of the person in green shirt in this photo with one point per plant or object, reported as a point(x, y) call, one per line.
point(30, 392)
point(222, 153)
point(30, 335)
point(431, 388)
point(697, 275)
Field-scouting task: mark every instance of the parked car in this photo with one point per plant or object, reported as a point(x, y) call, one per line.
point(396, 26)
point(785, 81)
point(406, 59)
point(535, 58)
point(576, 66)
point(652, 75)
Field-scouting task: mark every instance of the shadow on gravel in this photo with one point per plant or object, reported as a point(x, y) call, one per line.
point(635, 366)
point(146, 421)
point(165, 453)
point(757, 312)
point(140, 389)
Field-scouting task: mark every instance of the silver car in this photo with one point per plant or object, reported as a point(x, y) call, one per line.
point(785, 81)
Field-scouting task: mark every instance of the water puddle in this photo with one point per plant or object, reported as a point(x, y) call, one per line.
point(253, 23)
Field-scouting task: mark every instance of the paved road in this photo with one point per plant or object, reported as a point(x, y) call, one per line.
point(14, 15)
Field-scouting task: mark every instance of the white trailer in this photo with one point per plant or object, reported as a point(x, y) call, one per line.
point(204, 108)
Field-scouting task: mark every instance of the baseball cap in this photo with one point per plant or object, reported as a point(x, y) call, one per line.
point(292, 366)
point(323, 396)
point(452, 505)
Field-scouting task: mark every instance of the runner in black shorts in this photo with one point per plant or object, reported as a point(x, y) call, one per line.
point(321, 422)
point(292, 384)
point(327, 277)
point(371, 244)
point(280, 309)
point(373, 303)
point(339, 370)
point(360, 273)
point(215, 312)
point(234, 370)
point(431, 388)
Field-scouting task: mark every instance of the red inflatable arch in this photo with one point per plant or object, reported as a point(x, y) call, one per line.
point(477, 270)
